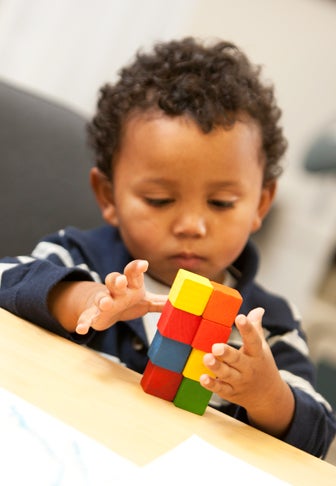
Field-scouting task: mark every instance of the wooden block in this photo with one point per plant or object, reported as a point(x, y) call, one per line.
point(192, 396)
point(198, 314)
point(160, 382)
point(190, 292)
point(194, 366)
point(223, 305)
point(168, 353)
point(177, 324)
point(208, 333)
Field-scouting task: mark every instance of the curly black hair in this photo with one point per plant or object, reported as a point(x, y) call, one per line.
point(214, 85)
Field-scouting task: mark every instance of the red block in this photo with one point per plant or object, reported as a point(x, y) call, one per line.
point(208, 333)
point(160, 382)
point(178, 324)
point(223, 305)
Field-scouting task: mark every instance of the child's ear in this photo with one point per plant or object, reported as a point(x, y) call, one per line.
point(103, 190)
point(266, 199)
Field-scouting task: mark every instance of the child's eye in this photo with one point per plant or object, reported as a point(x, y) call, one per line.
point(158, 202)
point(220, 204)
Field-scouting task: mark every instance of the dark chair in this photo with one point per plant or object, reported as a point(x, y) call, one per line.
point(45, 163)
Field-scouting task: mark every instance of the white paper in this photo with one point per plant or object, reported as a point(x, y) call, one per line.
point(37, 448)
point(197, 461)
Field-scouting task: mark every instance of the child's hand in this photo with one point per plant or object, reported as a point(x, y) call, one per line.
point(80, 305)
point(123, 297)
point(249, 377)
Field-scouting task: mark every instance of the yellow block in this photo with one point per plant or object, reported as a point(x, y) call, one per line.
point(190, 292)
point(194, 366)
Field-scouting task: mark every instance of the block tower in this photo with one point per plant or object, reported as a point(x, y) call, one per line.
point(198, 313)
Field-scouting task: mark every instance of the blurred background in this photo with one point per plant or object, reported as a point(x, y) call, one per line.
point(66, 50)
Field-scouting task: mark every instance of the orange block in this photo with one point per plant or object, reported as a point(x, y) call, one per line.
point(208, 333)
point(223, 305)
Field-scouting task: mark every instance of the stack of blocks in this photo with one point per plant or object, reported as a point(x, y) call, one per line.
point(198, 313)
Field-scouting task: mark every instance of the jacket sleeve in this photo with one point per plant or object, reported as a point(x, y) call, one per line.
point(25, 282)
point(313, 427)
point(314, 423)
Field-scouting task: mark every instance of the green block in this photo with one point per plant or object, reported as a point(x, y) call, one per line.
point(192, 396)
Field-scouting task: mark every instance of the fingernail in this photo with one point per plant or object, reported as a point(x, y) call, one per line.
point(218, 349)
point(257, 314)
point(205, 379)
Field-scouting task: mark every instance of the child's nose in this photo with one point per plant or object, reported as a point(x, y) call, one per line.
point(190, 224)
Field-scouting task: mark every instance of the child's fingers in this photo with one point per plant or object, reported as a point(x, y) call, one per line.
point(250, 328)
point(86, 319)
point(222, 367)
point(134, 273)
point(102, 303)
point(255, 316)
point(156, 302)
point(223, 353)
point(82, 328)
point(116, 283)
point(132, 278)
point(215, 386)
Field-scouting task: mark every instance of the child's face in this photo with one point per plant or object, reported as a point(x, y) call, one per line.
point(185, 199)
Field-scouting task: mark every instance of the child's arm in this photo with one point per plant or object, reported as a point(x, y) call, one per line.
point(249, 377)
point(80, 305)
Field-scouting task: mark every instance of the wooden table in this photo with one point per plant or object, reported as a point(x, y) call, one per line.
point(105, 401)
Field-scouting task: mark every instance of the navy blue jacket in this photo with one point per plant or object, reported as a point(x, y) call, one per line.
point(73, 254)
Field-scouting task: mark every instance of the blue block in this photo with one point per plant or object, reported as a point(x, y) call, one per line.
point(168, 353)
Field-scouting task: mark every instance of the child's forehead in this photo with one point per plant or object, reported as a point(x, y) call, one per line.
point(143, 124)
point(155, 140)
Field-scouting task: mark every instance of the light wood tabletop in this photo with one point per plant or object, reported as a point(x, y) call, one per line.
point(105, 401)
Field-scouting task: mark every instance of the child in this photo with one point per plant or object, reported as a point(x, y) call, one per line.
point(187, 148)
